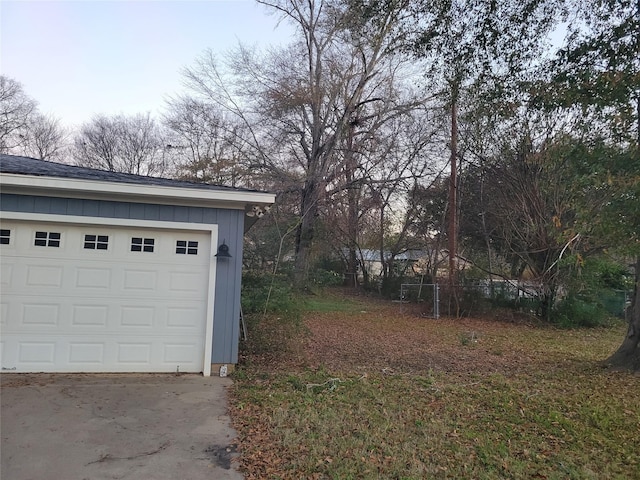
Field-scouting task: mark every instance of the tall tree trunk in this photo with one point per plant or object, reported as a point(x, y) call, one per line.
point(453, 232)
point(453, 201)
point(305, 233)
point(351, 274)
point(485, 234)
point(627, 356)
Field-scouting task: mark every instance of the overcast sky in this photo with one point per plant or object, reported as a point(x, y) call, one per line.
point(79, 58)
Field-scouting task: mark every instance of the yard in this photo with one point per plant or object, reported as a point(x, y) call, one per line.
point(369, 390)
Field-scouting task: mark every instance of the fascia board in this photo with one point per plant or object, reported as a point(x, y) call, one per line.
point(89, 189)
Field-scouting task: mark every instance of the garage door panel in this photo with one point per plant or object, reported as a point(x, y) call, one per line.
point(41, 353)
point(178, 353)
point(118, 245)
point(49, 312)
point(75, 309)
point(6, 272)
point(44, 276)
point(4, 311)
point(186, 282)
point(140, 279)
point(185, 317)
point(40, 314)
point(52, 312)
point(134, 353)
point(138, 316)
point(133, 282)
point(94, 277)
point(90, 315)
point(83, 353)
point(55, 353)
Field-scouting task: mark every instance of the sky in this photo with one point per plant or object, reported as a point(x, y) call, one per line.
point(86, 57)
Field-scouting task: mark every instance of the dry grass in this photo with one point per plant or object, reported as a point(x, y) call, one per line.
point(371, 391)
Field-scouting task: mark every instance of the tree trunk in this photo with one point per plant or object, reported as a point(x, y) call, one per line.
point(305, 234)
point(627, 357)
point(351, 275)
point(453, 201)
point(453, 233)
point(547, 301)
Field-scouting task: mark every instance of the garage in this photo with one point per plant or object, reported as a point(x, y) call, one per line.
point(103, 297)
point(124, 281)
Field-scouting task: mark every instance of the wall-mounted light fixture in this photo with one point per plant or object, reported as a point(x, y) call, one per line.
point(223, 250)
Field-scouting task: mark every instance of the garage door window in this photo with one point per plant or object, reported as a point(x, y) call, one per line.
point(139, 244)
point(5, 236)
point(47, 239)
point(96, 242)
point(186, 247)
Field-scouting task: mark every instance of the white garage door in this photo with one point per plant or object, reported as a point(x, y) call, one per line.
point(102, 298)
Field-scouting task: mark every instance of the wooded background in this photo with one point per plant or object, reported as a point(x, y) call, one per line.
point(460, 141)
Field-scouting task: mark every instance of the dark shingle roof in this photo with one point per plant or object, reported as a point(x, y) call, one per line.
point(31, 166)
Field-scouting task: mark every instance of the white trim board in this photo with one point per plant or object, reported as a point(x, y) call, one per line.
point(131, 192)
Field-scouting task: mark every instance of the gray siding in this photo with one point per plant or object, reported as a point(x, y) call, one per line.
point(230, 223)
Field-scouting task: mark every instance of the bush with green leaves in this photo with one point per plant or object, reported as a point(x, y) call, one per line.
point(594, 291)
point(325, 278)
point(574, 312)
point(272, 312)
point(266, 293)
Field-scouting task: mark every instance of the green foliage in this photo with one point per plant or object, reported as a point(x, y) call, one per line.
point(329, 262)
point(272, 313)
point(601, 273)
point(268, 293)
point(596, 78)
point(595, 290)
point(471, 275)
point(467, 301)
point(573, 312)
point(390, 286)
point(598, 69)
point(264, 245)
point(325, 278)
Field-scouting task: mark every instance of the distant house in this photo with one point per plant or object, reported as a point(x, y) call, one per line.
point(372, 263)
point(112, 272)
point(411, 262)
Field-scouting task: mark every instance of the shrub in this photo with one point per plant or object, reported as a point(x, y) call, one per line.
point(595, 290)
point(573, 312)
point(272, 312)
point(326, 278)
point(463, 301)
point(268, 294)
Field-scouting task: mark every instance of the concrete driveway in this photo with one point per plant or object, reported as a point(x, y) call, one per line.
point(90, 427)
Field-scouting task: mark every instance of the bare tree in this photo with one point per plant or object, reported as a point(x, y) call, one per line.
point(298, 104)
point(45, 138)
point(385, 152)
point(16, 108)
point(203, 143)
point(121, 144)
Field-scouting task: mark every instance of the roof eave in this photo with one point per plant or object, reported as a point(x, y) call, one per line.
point(96, 190)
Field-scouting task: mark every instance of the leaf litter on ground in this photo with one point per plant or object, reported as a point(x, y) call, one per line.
point(372, 391)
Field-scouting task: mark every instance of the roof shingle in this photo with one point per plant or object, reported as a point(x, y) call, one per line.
point(30, 166)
